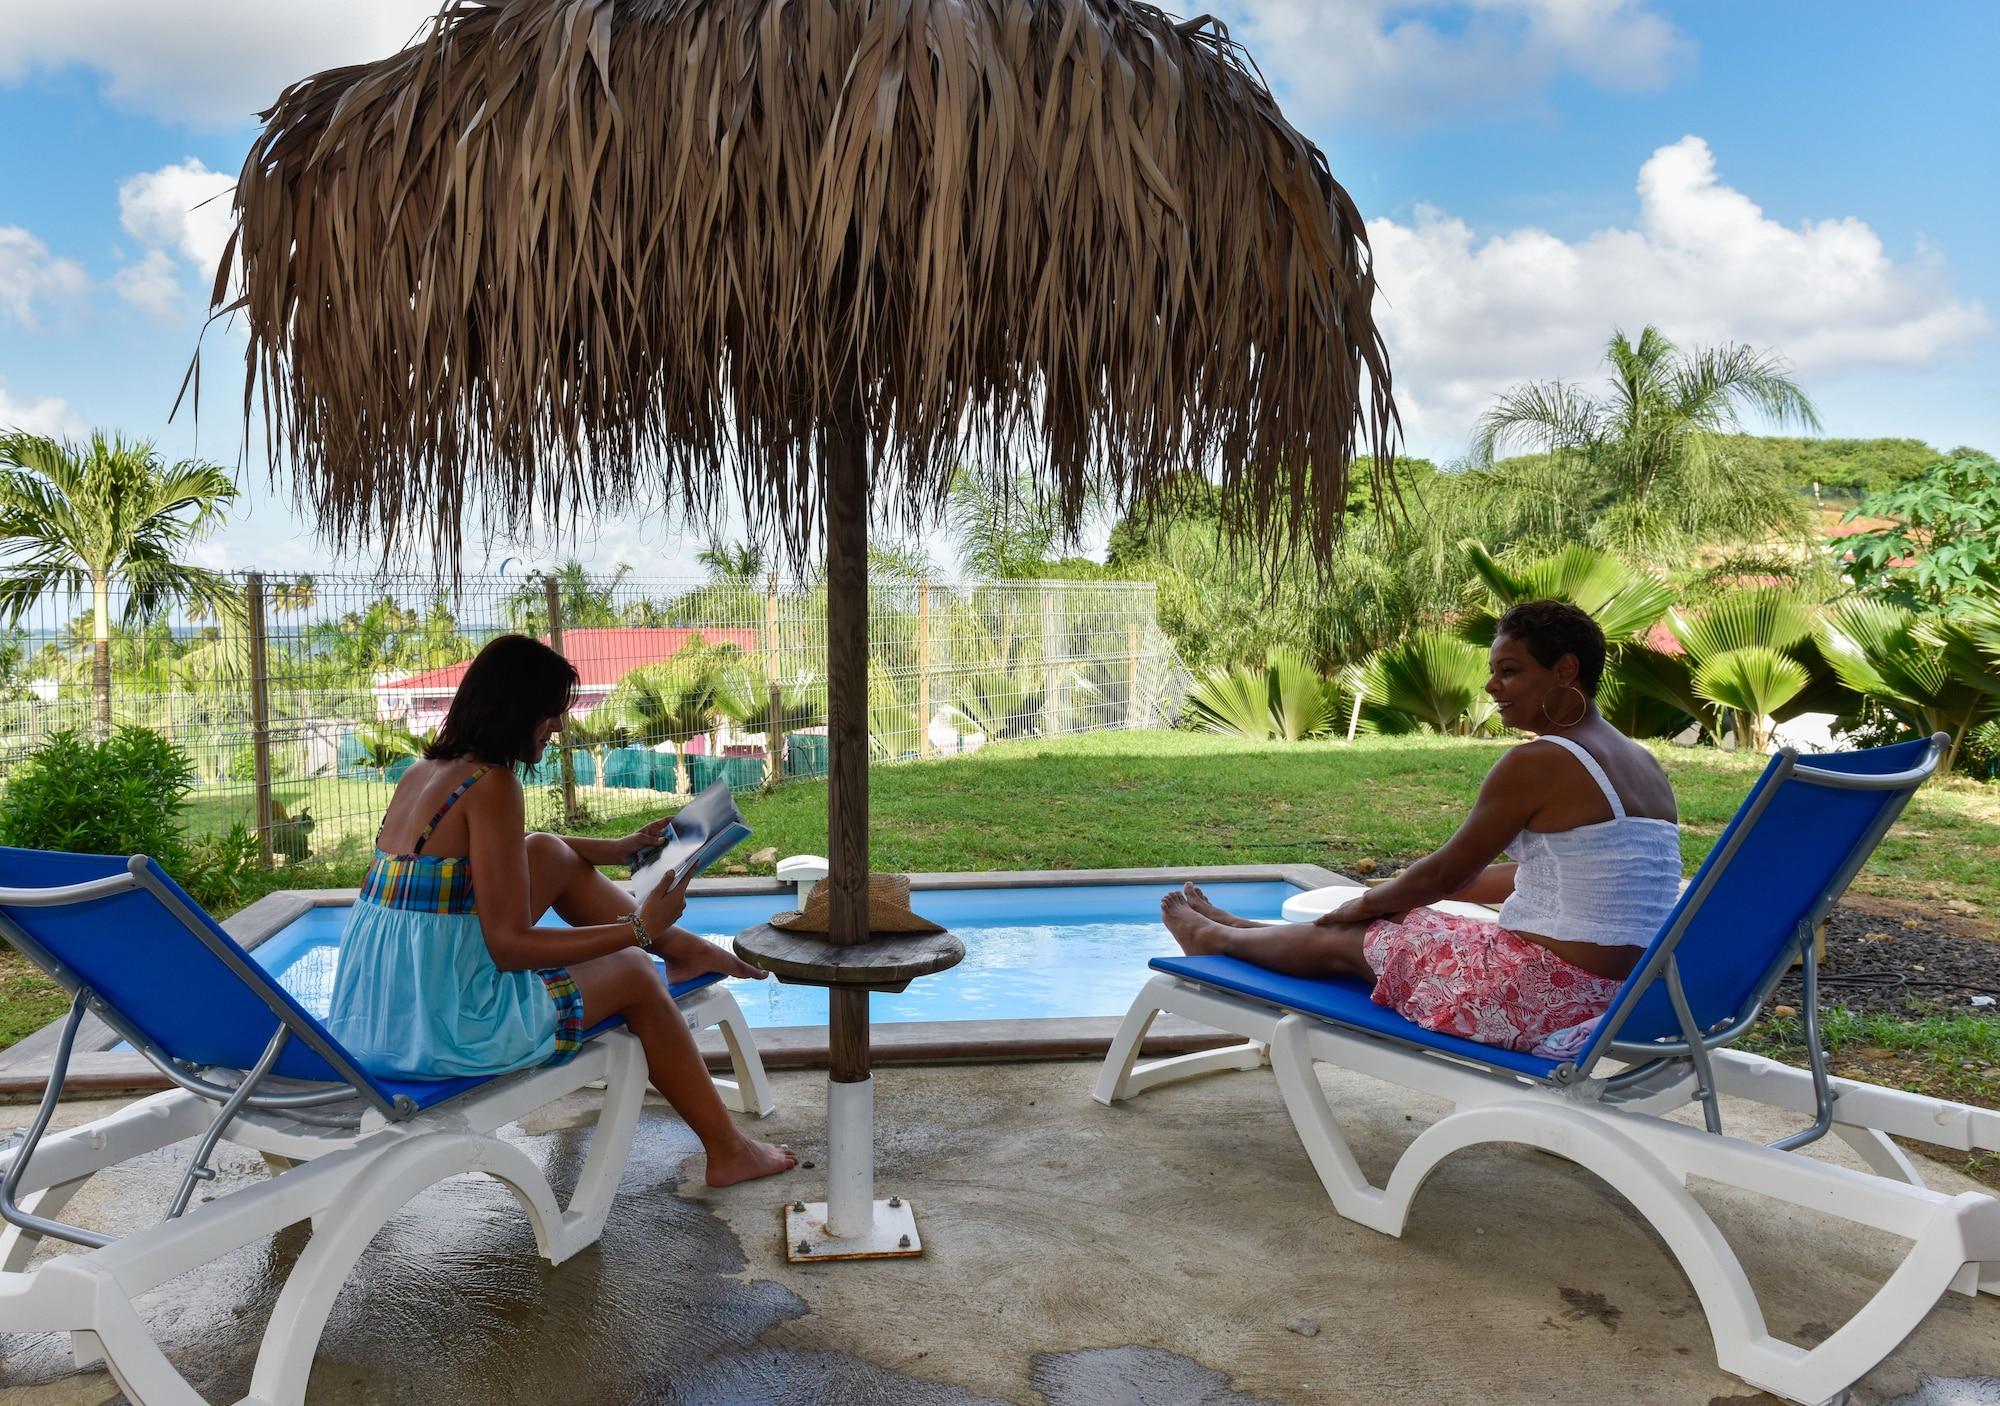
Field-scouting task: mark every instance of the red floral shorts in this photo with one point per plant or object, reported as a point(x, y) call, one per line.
point(1477, 980)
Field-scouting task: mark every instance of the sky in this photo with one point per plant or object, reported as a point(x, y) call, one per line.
point(1820, 178)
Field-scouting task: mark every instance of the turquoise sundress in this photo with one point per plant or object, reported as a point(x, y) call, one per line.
point(416, 994)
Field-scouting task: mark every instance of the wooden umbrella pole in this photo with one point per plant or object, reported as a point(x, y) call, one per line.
point(846, 446)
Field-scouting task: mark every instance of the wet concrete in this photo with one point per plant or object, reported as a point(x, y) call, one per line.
point(1159, 1254)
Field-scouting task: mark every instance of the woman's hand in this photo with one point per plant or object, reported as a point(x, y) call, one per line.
point(643, 837)
point(663, 908)
point(1355, 910)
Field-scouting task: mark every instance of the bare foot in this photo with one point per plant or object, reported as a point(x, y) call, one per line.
point(1199, 901)
point(747, 1160)
point(688, 956)
point(1198, 936)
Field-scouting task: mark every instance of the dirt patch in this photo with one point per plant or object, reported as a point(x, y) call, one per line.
point(1904, 959)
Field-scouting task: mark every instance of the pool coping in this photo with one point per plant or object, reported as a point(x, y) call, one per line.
point(96, 1070)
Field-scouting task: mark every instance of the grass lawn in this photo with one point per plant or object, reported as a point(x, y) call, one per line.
point(1115, 799)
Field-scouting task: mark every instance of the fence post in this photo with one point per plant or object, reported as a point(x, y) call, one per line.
point(1051, 705)
point(774, 737)
point(260, 709)
point(553, 597)
point(923, 668)
point(1134, 708)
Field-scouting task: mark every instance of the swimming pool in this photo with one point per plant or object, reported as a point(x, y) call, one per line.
point(1055, 950)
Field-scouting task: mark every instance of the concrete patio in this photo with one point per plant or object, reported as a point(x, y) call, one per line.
point(1175, 1250)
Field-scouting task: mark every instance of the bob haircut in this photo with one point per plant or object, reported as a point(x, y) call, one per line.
point(513, 686)
point(1552, 628)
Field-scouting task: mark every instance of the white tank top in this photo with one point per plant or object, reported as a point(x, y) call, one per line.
point(1611, 883)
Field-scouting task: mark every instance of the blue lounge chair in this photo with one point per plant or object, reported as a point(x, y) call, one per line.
point(251, 1065)
point(1748, 915)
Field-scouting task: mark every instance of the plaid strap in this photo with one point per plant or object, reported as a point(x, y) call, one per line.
point(449, 802)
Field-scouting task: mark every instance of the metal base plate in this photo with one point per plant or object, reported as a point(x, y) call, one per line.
point(892, 1237)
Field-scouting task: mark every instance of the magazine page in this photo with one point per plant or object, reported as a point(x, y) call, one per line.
point(704, 830)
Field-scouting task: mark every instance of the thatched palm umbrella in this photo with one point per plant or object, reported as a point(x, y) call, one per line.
point(594, 256)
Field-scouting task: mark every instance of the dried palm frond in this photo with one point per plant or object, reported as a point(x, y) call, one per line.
point(592, 256)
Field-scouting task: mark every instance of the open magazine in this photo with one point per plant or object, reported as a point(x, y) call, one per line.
point(704, 830)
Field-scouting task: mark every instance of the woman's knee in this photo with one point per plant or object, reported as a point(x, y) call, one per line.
point(544, 848)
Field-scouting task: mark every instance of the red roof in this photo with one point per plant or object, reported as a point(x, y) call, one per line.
point(602, 657)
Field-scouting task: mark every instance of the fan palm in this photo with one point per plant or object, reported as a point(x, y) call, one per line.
point(1933, 675)
point(1650, 453)
point(1432, 678)
point(1286, 698)
point(1235, 701)
point(1744, 657)
point(1624, 602)
point(74, 515)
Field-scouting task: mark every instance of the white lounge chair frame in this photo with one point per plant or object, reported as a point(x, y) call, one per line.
point(1615, 1128)
point(341, 1158)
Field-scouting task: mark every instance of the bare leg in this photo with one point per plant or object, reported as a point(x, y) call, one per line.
point(1294, 949)
point(628, 983)
point(582, 897)
point(1199, 901)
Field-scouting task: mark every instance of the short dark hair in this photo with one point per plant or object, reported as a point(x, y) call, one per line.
point(511, 687)
point(1552, 628)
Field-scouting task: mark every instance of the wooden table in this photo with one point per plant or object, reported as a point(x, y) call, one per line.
point(850, 1223)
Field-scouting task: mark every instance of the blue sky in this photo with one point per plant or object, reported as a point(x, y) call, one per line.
point(1818, 178)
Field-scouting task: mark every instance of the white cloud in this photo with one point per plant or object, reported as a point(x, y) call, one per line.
point(183, 207)
point(1466, 317)
point(177, 210)
point(206, 62)
point(28, 276)
point(1393, 59)
point(153, 286)
point(48, 414)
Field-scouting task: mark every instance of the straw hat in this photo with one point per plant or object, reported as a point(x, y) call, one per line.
point(888, 908)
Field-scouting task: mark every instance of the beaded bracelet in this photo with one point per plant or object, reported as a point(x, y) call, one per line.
point(640, 937)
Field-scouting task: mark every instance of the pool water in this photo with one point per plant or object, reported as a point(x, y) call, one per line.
point(1029, 952)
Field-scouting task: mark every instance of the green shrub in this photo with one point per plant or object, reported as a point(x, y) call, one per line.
point(242, 765)
point(120, 796)
point(218, 866)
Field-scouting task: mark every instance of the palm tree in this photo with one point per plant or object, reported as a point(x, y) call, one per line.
point(299, 594)
point(731, 563)
point(998, 526)
point(673, 700)
point(596, 732)
point(73, 514)
point(585, 601)
point(1651, 450)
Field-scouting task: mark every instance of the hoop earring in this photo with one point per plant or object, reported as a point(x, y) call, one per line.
point(1582, 712)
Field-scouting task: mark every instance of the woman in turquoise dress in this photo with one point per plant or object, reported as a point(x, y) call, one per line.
point(432, 984)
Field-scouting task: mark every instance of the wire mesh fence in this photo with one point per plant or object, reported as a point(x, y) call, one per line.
point(302, 703)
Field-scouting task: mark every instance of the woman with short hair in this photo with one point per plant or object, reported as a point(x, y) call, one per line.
point(1588, 817)
point(431, 985)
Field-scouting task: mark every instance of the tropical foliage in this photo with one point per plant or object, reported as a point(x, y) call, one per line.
point(1645, 466)
point(1929, 673)
point(77, 517)
point(1942, 549)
